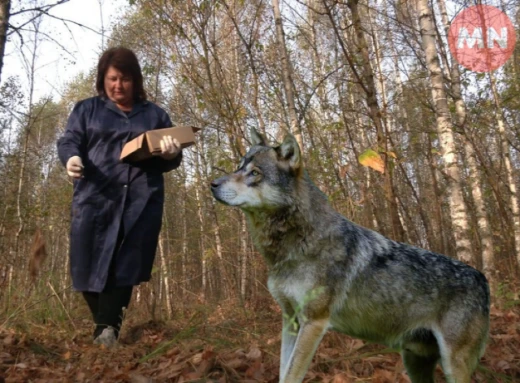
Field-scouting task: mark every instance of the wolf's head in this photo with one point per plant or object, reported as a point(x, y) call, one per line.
point(266, 178)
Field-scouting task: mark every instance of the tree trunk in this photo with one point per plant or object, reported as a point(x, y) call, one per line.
point(184, 256)
point(27, 129)
point(165, 277)
point(402, 118)
point(287, 75)
point(445, 131)
point(5, 8)
point(200, 215)
point(244, 252)
point(506, 156)
point(483, 226)
point(368, 84)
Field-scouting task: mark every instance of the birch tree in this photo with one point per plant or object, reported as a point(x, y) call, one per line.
point(483, 226)
point(458, 212)
point(366, 81)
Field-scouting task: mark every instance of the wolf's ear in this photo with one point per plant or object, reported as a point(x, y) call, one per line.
point(257, 138)
point(290, 151)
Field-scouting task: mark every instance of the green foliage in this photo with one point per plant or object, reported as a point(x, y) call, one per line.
point(508, 294)
point(298, 318)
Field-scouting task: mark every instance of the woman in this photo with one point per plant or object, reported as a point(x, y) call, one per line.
point(116, 207)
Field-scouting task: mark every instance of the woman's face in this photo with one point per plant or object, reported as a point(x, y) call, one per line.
point(119, 88)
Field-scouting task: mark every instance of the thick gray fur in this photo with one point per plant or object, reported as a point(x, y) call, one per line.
point(327, 272)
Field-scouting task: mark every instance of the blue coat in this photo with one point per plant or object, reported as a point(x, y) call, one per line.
point(113, 194)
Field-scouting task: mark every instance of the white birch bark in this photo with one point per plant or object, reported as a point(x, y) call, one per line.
point(243, 251)
point(483, 226)
point(200, 216)
point(165, 278)
point(458, 210)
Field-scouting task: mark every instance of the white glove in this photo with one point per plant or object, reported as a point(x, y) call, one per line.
point(170, 148)
point(75, 167)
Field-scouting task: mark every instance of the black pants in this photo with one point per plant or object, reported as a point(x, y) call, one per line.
point(107, 306)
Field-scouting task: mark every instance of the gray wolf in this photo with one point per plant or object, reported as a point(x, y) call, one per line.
point(326, 272)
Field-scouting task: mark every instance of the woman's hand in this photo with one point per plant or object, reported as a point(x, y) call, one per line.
point(170, 148)
point(75, 167)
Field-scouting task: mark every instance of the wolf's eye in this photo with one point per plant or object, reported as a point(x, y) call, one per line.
point(254, 173)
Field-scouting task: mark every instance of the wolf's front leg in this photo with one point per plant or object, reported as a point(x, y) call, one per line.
point(289, 335)
point(309, 337)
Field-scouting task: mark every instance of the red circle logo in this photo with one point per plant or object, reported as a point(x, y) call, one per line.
point(482, 38)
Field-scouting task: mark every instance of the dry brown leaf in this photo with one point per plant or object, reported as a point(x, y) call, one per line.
point(503, 365)
point(341, 378)
point(254, 354)
point(172, 352)
point(256, 370)
point(196, 359)
point(6, 358)
point(8, 340)
point(165, 364)
point(235, 364)
point(38, 254)
point(137, 378)
point(207, 363)
point(186, 377)
point(382, 376)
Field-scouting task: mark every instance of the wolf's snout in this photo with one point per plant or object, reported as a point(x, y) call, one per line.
point(216, 190)
point(216, 183)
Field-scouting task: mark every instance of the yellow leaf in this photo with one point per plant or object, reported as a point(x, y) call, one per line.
point(373, 160)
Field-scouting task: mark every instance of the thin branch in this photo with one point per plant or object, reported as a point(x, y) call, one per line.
point(38, 9)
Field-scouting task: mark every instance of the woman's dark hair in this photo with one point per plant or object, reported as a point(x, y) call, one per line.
point(125, 61)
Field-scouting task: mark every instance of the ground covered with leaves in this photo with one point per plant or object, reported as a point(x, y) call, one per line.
point(219, 345)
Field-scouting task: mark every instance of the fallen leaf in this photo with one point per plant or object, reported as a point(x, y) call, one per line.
point(382, 376)
point(136, 378)
point(235, 364)
point(256, 370)
point(197, 358)
point(8, 340)
point(373, 160)
point(254, 354)
point(341, 378)
point(6, 358)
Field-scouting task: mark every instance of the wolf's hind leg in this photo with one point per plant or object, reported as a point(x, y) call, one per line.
point(459, 363)
point(420, 368)
point(461, 350)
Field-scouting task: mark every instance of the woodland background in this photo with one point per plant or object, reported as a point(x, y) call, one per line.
point(401, 138)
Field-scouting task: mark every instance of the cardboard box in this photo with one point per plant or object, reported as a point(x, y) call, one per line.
point(148, 143)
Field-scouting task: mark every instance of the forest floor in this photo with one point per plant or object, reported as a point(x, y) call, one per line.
point(219, 345)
